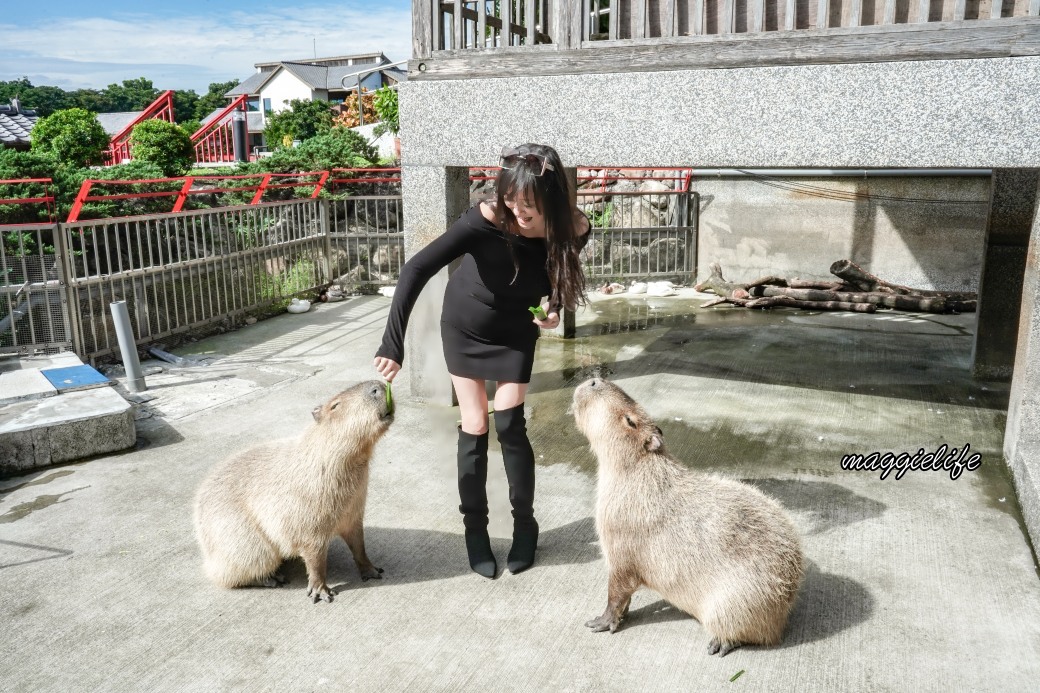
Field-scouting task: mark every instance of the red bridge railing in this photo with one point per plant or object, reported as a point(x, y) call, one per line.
point(46, 199)
point(119, 149)
point(214, 142)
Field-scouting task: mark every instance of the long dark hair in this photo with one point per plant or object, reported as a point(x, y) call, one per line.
point(552, 196)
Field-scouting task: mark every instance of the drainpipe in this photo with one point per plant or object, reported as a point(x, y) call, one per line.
point(239, 134)
point(127, 347)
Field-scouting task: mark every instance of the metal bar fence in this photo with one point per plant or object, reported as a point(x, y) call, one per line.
point(34, 315)
point(178, 272)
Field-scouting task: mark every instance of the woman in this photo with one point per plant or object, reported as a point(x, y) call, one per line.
point(517, 248)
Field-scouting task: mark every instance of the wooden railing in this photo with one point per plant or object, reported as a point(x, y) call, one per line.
point(456, 25)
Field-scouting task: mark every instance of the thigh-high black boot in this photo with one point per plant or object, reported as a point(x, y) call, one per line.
point(511, 427)
point(472, 460)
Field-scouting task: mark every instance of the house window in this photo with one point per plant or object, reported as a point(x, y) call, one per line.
point(267, 106)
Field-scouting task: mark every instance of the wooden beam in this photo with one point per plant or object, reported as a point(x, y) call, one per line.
point(506, 37)
point(565, 24)
point(697, 17)
point(668, 18)
point(923, 8)
point(935, 41)
point(612, 24)
point(481, 24)
point(758, 11)
point(995, 8)
point(456, 25)
point(790, 12)
point(727, 16)
point(958, 10)
point(890, 12)
point(423, 35)
point(638, 18)
point(855, 9)
point(1034, 8)
point(823, 9)
point(529, 21)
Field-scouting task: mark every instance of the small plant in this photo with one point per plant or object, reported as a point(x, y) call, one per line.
point(385, 103)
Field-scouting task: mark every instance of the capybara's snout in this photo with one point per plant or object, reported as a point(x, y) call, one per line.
point(371, 396)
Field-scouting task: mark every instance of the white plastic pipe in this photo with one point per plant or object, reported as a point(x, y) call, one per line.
point(128, 347)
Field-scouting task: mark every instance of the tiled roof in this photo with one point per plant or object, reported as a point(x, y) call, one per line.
point(316, 74)
point(15, 125)
point(114, 123)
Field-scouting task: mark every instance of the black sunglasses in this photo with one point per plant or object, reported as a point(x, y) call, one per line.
point(512, 158)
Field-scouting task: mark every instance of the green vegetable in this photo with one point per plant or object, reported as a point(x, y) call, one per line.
point(538, 312)
point(389, 398)
point(736, 676)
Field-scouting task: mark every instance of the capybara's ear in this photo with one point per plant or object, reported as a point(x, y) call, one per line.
point(655, 441)
point(316, 413)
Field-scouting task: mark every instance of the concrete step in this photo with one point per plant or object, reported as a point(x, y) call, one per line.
point(55, 410)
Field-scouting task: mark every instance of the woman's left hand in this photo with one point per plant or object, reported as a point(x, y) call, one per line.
point(552, 320)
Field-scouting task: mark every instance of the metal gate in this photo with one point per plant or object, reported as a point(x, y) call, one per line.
point(34, 316)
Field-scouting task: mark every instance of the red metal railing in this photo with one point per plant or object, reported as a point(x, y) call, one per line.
point(264, 182)
point(214, 142)
point(119, 149)
point(607, 175)
point(46, 199)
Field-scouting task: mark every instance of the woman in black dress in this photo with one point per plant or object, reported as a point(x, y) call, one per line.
point(516, 249)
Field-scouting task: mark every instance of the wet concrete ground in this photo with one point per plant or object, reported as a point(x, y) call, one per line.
point(923, 583)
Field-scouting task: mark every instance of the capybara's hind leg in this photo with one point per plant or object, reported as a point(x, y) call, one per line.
point(316, 559)
point(355, 538)
point(272, 580)
point(620, 587)
point(237, 555)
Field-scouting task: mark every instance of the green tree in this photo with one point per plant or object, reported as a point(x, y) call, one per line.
point(92, 100)
point(164, 144)
point(131, 95)
point(214, 98)
point(43, 100)
point(301, 121)
point(184, 105)
point(386, 107)
point(74, 137)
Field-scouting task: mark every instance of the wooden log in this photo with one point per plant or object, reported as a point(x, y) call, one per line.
point(924, 304)
point(718, 285)
point(863, 280)
point(787, 301)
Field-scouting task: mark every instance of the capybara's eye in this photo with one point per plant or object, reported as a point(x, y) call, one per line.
point(629, 421)
point(333, 405)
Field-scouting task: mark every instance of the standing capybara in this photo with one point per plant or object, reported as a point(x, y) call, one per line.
point(720, 550)
point(290, 498)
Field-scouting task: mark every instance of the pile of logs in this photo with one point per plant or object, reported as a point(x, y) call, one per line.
point(857, 290)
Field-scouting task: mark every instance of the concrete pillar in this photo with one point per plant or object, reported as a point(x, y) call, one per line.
point(1022, 435)
point(433, 198)
point(1013, 197)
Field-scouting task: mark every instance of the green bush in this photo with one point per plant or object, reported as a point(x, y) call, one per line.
point(15, 165)
point(164, 144)
point(74, 137)
point(337, 148)
point(301, 121)
point(385, 103)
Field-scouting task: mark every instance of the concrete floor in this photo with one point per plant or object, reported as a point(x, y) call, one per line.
point(920, 584)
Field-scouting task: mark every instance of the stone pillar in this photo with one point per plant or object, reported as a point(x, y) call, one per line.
point(1022, 435)
point(433, 198)
point(1012, 199)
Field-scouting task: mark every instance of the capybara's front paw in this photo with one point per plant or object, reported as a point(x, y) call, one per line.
point(720, 647)
point(319, 592)
point(602, 623)
point(372, 573)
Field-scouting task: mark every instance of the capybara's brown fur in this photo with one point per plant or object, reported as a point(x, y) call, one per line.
point(716, 548)
point(290, 498)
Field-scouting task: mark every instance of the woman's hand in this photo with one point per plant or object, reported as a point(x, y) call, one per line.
point(387, 368)
point(552, 320)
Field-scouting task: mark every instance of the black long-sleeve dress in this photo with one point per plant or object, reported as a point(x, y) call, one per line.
point(486, 326)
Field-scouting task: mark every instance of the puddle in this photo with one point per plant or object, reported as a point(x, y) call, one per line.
point(25, 509)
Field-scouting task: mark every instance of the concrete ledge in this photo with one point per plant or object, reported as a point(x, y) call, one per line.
point(64, 428)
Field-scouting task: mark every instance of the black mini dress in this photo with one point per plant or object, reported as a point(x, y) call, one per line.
point(486, 327)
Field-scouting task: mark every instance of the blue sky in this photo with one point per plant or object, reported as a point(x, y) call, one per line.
point(187, 44)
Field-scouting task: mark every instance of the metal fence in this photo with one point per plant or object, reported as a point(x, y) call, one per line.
point(181, 271)
point(34, 316)
point(177, 272)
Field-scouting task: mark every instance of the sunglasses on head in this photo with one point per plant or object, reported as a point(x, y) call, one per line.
point(513, 158)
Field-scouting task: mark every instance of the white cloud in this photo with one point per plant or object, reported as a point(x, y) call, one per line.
point(189, 52)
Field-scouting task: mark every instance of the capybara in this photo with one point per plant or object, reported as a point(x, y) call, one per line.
point(716, 548)
point(289, 498)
